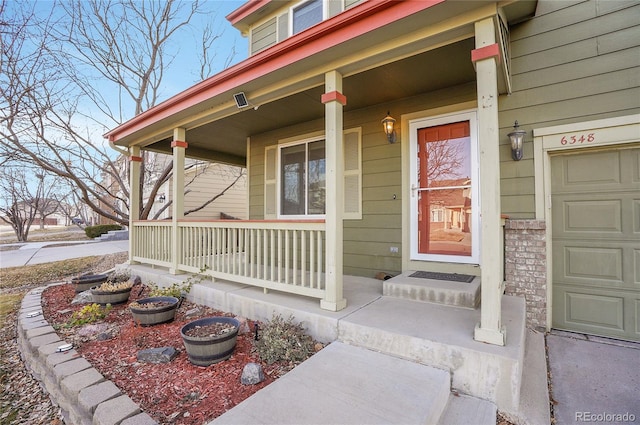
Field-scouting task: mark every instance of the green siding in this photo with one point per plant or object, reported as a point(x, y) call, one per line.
point(575, 61)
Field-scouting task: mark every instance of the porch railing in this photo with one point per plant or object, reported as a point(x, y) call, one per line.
point(281, 255)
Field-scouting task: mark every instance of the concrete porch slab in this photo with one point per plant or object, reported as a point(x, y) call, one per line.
point(343, 384)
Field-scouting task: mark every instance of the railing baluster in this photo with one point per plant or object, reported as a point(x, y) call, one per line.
point(295, 257)
point(320, 280)
point(312, 258)
point(272, 264)
point(303, 258)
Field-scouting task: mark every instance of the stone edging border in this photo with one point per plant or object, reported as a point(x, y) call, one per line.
point(84, 396)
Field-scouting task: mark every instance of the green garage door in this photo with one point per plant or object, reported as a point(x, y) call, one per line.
point(596, 242)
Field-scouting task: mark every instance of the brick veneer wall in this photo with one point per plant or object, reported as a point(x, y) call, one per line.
point(525, 268)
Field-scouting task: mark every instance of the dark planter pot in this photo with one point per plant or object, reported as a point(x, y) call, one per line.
point(154, 315)
point(205, 351)
point(110, 297)
point(84, 283)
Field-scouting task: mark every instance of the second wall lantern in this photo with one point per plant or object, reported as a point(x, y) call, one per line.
point(516, 137)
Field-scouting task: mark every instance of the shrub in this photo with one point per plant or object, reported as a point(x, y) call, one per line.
point(176, 289)
point(89, 314)
point(283, 340)
point(95, 231)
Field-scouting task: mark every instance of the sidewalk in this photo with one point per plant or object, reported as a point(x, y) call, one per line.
point(31, 253)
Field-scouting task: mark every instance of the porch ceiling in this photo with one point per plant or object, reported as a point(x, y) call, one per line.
point(224, 140)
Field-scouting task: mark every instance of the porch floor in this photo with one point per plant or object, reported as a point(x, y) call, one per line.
point(436, 336)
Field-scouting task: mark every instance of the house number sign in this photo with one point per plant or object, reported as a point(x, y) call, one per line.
point(578, 138)
point(595, 133)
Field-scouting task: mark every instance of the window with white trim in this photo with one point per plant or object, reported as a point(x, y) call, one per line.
point(295, 183)
point(302, 179)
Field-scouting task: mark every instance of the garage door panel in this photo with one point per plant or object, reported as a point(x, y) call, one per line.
point(614, 215)
point(596, 263)
point(593, 170)
point(593, 263)
point(593, 216)
point(595, 310)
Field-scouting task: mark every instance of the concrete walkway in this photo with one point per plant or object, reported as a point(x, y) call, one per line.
point(29, 253)
point(594, 379)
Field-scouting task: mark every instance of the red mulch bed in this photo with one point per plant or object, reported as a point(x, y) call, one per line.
point(172, 393)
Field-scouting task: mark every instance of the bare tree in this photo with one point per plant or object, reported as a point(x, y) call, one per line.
point(53, 110)
point(21, 202)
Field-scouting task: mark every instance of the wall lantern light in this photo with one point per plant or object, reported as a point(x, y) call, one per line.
point(387, 124)
point(161, 198)
point(517, 140)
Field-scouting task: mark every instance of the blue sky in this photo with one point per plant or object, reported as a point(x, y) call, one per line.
point(184, 76)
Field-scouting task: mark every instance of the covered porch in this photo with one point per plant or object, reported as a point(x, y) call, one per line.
point(417, 59)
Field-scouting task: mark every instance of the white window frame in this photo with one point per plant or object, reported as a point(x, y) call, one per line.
point(298, 5)
point(414, 126)
point(281, 146)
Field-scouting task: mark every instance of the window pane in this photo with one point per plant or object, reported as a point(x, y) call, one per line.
point(444, 215)
point(317, 178)
point(445, 221)
point(307, 15)
point(292, 172)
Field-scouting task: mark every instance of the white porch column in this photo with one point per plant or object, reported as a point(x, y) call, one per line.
point(135, 161)
point(485, 57)
point(334, 101)
point(179, 145)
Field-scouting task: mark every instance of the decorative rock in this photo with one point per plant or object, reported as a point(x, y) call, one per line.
point(192, 313)
point(84, 297)
point(244, 325)
point(252, 374)
point(157, 355)
point(93, 329)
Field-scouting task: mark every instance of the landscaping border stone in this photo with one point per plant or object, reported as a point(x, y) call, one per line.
point(84, 396)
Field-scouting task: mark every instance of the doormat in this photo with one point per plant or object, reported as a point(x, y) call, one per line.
point(455, 277)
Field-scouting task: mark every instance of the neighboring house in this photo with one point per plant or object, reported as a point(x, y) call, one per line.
point(332, 193)
point(203, 181)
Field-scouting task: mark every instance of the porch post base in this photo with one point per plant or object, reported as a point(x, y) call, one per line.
point(490, 336)
point(333, 305)
point(175, 271)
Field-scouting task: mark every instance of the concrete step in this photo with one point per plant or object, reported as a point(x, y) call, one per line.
point(347, 385)
point(459, 294)
point(442, 336)
point(464, 410)
point(115, 235)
